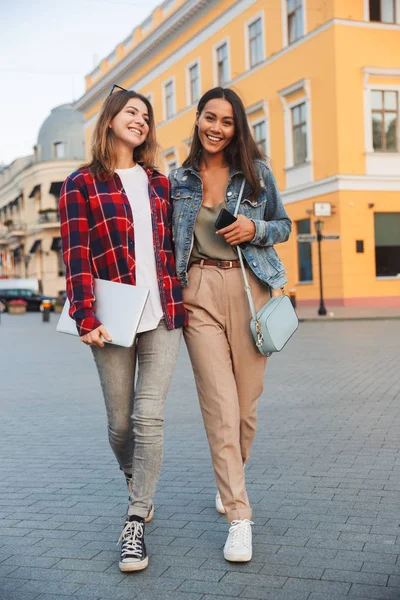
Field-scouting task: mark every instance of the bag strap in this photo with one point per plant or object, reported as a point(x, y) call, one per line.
point(246, 281)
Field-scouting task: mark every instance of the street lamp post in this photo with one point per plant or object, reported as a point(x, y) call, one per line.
point(318, 228)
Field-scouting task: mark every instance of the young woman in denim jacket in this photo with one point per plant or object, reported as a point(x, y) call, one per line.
point(116, 225)
point(228, 369)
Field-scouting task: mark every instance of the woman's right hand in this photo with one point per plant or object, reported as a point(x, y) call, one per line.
point(94, 338)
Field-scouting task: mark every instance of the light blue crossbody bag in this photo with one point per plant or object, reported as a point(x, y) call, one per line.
point(275, 323)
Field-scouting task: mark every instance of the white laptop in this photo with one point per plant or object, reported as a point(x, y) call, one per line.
point(118, 306)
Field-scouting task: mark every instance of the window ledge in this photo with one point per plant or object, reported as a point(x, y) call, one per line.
point(388, 278)
point(382, 154)
point(305, 282)
point(298, 166)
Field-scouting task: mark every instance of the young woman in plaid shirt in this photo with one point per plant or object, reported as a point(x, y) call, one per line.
point(116, 225)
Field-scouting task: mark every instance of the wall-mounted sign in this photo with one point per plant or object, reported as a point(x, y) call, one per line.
point(322, 209)
point(306, 237)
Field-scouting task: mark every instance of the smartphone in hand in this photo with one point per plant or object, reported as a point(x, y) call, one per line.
point(224, 219)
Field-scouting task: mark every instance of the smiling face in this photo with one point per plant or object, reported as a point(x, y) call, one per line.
point(216, 125)
point(131, 125)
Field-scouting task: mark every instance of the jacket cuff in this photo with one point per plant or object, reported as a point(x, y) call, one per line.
point(260, 236)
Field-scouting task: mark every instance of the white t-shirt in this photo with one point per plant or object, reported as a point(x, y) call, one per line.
point(136, 186)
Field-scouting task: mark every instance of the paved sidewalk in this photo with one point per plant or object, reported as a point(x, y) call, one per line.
point(349, 313)
point(324, 478)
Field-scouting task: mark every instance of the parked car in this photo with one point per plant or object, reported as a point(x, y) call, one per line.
point(33, 299)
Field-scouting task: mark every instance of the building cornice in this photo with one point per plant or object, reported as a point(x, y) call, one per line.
point(151, 42)
point(329, 185)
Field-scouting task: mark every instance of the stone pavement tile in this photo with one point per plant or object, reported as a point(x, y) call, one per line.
point(205, 587)
point(17, 595)
point(6, 570)
point(387, 569)
point(58, 596)
point(70, 564)
point(154, 583)
point(30, 561)
point(221, 564)
point(302, 572)
point(36, 573)
point(105, 592)
point(335, 544)
point(374, 592)
point(92, 577)
point(318, 596)
point(193, 574)
point(61, 552)
point(387, 559)
point(162, 549)
point(332, 563)
point(355, 577)
point(170, 560)
point(151, 595)
point(326, 587)
point(48, 587)
point(258, 580)
point(261, 593)
point(394, 580)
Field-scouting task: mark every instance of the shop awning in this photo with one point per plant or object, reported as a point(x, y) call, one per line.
point(35, 189)
point(56, 244)
point(55, 188)
point(35, 246)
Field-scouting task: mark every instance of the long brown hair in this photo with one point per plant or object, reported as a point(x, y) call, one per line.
point(104, 159)
point(242, 150)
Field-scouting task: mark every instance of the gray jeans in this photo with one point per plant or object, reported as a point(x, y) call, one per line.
point(136, 412)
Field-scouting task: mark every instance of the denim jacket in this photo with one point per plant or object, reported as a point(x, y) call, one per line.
point(272, 223)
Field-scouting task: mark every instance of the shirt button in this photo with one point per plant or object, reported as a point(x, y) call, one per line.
point(229, 194)
point(254, 264)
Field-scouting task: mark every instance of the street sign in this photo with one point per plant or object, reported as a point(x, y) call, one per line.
point(322, 209)
point(306, 237)
point(333, 236)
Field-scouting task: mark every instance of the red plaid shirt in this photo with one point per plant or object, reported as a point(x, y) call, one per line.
point(98, 240)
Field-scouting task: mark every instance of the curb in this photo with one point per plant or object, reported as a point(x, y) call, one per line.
point(331, 319)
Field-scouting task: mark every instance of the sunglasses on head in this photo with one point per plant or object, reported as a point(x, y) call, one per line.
point(117, 87)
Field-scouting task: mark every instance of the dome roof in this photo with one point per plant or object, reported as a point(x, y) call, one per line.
point(61, 136)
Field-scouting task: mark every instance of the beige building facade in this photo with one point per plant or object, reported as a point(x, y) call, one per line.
point(30, 243)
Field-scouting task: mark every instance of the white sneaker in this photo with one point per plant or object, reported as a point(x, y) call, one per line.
point(218, 504)
point(238, 546)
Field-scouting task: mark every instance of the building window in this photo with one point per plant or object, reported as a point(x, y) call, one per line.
point(171, 165)
point(385, 110)
point(383, 11)
point(256, 43)
point(304, 252)
point(169, 92)
point(294, 20)
point(222, 64)
point(260, 135)
point(59, 149)
point(387, 244)
point(194, 83)
point(299, 133)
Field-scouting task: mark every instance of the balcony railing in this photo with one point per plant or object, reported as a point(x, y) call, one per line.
point(49, 217)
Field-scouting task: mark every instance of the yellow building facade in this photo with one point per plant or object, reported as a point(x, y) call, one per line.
point(320, 80)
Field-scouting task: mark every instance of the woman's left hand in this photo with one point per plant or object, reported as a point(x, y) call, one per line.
point(242, 230)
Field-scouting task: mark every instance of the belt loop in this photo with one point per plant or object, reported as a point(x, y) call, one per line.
point(202, 263)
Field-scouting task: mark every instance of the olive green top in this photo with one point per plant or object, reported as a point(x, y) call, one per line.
point(207, 244)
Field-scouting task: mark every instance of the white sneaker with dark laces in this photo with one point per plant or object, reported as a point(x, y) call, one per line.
point(238, 546)
point(218, 504)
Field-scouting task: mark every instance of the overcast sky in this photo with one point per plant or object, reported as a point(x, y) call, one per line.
point(46, 49)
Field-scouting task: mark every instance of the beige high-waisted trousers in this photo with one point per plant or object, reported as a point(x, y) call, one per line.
point(228, 370)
